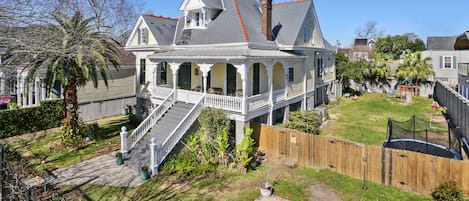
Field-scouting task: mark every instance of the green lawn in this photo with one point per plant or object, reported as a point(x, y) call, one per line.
point(365, 120)
point(45, 147)
point(289, 183)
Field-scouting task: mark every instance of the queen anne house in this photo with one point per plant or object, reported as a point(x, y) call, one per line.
point(255, 60)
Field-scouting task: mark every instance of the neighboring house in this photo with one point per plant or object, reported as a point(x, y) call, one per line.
point(462, 44)
point(254, 60)
point(360, 51)
point(445, 58)
point(95, 103)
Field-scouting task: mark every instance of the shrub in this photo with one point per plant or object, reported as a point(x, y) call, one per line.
point(244, 151)
point(304, 121)
point(448, 191)
point(119, 154)
point(213, 122)
point(26, 120)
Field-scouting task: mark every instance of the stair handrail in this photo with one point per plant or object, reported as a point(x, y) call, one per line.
point(150, 121)
point(165, 148)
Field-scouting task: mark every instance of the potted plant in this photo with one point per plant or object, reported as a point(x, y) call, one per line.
point(144, 173)
point(119, 160)
point(266, 189)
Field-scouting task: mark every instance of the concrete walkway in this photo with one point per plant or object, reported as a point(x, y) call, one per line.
point(101, 170)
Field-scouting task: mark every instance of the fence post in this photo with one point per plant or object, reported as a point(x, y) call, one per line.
point(2, 173)
point(124, 142)
point(153, 159)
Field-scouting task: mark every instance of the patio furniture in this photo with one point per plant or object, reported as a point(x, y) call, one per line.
point(215, 90)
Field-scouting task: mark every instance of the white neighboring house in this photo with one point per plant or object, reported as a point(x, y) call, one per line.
point(254, 60)
point(446, 58)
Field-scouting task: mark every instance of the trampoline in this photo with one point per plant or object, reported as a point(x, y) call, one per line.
point(419, 135)
point(423, 147)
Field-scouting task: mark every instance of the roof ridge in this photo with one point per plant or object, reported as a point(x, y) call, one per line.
point(289, 2)
point(161, 17)
point(241, 21)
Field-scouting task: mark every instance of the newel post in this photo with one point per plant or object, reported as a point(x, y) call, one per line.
point(124, 148)
point(153, 159)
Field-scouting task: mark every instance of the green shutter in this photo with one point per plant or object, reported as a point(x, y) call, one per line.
point(442, 64)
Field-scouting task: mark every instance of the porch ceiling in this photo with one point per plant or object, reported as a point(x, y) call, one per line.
point(224, 54)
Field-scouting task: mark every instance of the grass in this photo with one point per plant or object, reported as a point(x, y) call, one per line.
point(365, 120)
point(44, 152)
point(289, 183)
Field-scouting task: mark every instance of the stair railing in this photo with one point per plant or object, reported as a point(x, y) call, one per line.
point(148, 123)
point(160, 152)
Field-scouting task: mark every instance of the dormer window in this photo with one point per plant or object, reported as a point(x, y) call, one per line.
point(199, 13)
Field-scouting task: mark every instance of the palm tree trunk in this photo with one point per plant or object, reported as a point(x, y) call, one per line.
point(71, 108)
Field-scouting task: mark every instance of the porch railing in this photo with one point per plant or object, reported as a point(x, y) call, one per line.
point(160, 91)
point(159, 153)
point(257, 101)
point(188, 96)
point(149, 122)
point(230, 103)
point(279, 95)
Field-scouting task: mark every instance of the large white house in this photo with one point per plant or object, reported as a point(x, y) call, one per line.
point(255, 60)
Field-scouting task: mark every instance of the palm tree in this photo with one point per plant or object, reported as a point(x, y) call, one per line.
point(72, 53)
point(414, 70)
point(379, 70)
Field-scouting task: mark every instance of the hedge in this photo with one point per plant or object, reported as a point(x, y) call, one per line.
point(26, 120)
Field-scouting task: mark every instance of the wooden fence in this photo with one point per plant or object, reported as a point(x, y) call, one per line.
point(406, 170)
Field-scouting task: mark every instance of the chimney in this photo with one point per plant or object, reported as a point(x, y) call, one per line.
point(267, 19)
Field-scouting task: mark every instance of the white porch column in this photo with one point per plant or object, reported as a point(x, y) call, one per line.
point(2, 83)
point(37, 89)
point(30, 93)
point(243, 71)
point(24, 92)
point(43, 90)
point(205, 69)
point(18, 90)
point(285, 70)
point(305, 87)
point(269, 66)
point(175, 68)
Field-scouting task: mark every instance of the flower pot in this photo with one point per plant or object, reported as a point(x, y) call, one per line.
point(119, 161)
point(144, 175)
point(266, 190)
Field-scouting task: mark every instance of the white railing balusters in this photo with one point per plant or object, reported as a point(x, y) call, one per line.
point(165, 148)
point(149, 122)
point(223, 102)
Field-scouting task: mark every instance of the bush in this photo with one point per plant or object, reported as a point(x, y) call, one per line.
point(26, 120)
point(448, 191)
point(304, 121)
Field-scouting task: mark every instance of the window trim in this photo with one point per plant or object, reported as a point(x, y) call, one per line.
point(451, 62)
point(142, 79)
point(291, 74)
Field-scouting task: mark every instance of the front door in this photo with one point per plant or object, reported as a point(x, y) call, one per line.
point(230, 79)
point(184, 76)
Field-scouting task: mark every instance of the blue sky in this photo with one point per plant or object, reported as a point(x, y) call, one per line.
point(340, 18)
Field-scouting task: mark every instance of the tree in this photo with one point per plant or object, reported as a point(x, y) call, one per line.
point(369, 30)
point(347, 71)
point(396, 45)
point(379, 70)
point(415, 69)
point(73, 53)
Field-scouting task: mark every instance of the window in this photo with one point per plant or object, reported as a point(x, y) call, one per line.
point(144, 36)
point(161, 73)
point(197, 19)
point(320, 67)
point(142, 71)
point(447, 62)
point(291, 72)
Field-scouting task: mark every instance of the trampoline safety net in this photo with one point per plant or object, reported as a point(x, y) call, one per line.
point(415, 128)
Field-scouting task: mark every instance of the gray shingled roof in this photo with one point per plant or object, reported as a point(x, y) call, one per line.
point(441, 43)
point(291, 16)
point(162, 28)
point(213, 3)
point(222, 53)
point(225, 29)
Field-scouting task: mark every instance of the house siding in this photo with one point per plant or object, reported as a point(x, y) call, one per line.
point(450, 74)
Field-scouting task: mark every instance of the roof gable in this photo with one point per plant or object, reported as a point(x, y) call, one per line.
point(441, 43)
point(161, 30)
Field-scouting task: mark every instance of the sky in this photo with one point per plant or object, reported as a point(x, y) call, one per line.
point(340, 18)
